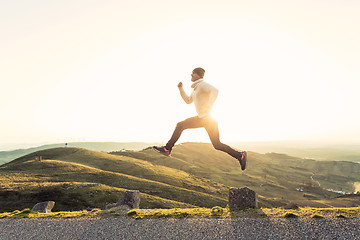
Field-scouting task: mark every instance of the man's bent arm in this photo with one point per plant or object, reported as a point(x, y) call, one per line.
point(184, 96)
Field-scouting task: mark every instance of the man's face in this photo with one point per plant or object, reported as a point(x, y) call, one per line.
point(194, 77)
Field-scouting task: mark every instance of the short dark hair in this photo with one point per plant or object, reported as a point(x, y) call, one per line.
point(199, 71)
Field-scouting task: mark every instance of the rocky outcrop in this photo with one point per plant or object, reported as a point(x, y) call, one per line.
point(43, 207)
point(129, 198)
point(291, 205)
point(242, 198)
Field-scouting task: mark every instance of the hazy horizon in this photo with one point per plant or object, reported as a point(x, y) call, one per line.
point(286, 143)
point(108, 71)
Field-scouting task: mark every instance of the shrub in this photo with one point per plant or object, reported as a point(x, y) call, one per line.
point(26, 211)
point(291, 205)
point(131, 213)
point(262, 214)
point(217, 210)
point(22, 214)
point(95, 210)
point(181, 214)
point(290, 215)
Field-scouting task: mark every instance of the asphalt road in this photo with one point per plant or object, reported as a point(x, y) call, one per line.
point(127, 228)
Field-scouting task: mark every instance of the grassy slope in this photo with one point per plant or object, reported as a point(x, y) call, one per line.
point(72, 196)
point(80, 165)
point(300, 149)
point(196, 174)
point(7, 156)
point(270, 175)
point(129, 166)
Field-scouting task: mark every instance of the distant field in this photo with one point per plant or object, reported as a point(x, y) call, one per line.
point(303, 149)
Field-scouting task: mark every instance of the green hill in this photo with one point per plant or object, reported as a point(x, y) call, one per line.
point(301, 149)
point(129, 166)
point(195, 175)
point(63, 166)
point(272, 175)
point(7, 156)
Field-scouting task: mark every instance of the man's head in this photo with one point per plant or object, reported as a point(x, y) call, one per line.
point(197, 73)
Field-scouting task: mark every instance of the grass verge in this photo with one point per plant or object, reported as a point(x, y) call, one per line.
point(215, 212)
point(27, 213)
point(218, 212)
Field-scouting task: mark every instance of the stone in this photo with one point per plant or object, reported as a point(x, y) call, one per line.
point(110, 205)
point(43, 207)
point(129, 198)
point(291, 205)
point(242, 198)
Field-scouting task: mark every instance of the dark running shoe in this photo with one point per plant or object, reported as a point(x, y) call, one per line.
point(242, 160)
point(162, 150)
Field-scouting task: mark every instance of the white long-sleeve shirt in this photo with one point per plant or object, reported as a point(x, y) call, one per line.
point(203, 96)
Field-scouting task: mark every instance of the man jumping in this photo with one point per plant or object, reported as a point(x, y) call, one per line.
point(203, 96)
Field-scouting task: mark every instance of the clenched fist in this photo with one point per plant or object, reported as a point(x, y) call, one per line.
point(180, 85)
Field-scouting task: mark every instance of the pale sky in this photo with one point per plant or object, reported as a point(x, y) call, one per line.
point(108, 70)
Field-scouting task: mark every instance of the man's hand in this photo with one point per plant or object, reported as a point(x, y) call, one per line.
point(180, 85)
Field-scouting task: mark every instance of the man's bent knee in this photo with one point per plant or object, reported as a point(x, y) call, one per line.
point(218, 146)
point(180, 125)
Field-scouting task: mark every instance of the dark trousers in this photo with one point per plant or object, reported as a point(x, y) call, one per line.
point(211, 126)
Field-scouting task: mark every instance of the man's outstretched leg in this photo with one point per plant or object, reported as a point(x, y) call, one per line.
point(193, 122)
point(211, 126)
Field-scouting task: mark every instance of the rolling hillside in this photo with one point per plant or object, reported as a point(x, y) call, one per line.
point(7, 156)
point(301, 149)
point(195, 175)
point(273, 176)
point(61, 168)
